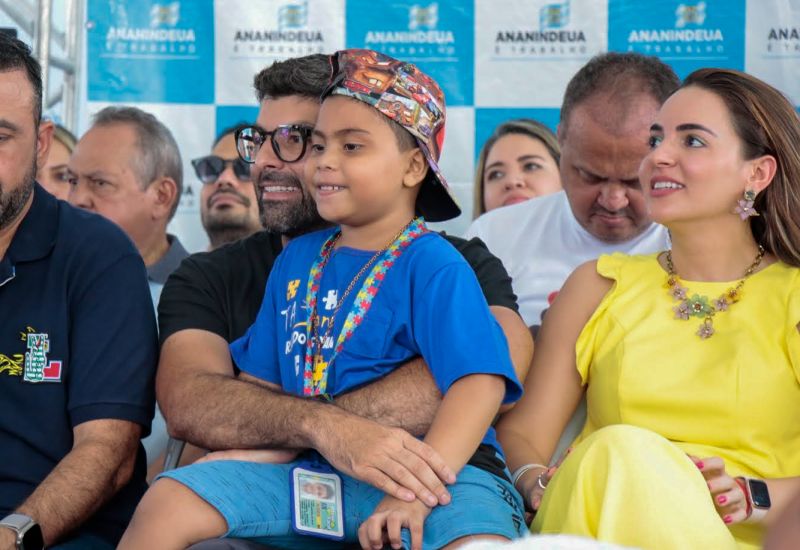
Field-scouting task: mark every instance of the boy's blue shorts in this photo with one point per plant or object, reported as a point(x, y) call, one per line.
point(255, 501)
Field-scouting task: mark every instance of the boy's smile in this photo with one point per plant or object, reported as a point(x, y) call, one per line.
point(327, 189)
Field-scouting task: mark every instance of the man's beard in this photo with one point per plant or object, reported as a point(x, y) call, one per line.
point(12, 203)
point(290, 218)
point(226, 228)
point(223, 226)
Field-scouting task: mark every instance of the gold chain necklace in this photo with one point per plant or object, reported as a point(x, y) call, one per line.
point(701, 306)
point(315, 317)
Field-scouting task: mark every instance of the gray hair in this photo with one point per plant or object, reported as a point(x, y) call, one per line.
point(159, 155)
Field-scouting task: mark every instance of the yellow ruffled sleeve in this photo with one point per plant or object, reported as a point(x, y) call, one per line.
point(792, 322)
point(596, 329)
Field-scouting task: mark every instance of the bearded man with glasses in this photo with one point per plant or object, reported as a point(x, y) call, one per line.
point(228, 205)
point(212, 299)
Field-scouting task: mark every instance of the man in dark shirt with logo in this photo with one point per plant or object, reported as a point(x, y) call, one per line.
point(214, 297)
point(78, 346)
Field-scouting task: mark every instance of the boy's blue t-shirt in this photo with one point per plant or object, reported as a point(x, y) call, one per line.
point(429, 304)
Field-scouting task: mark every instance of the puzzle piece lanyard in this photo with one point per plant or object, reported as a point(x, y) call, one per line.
point(315, 370)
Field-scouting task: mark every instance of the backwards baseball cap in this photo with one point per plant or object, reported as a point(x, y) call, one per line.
point(412, 99)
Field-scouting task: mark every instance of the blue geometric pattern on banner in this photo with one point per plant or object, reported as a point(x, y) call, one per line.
point(438, 37)
point(228, 116)
point(686, 35)
point(153, 52)
point(486, 120)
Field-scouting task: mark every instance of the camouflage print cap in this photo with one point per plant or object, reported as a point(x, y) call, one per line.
point(412, 99)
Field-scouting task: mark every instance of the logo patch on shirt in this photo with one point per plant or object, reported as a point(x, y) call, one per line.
point(291, 289)
point(37, 367)
point(33, 365)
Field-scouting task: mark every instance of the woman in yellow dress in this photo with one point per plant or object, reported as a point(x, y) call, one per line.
point(689, 359)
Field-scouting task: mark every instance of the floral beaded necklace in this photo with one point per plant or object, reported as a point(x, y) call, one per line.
point(315, 368)
point(701, 306)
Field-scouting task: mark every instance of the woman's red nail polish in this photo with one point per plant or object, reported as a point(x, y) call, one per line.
point(722, 499)
point(699, 464)
point(727, 519)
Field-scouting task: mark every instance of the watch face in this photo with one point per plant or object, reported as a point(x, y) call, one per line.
point(759, 493)
point(32, 539)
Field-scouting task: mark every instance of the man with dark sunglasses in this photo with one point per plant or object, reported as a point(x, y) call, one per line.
point(228, 205)
point(212, 298)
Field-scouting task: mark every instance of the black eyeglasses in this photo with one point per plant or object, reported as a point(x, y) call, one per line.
point(289, 141)
point(209, 168)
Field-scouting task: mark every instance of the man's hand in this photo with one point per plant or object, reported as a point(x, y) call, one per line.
point(388, 519)
point(387, 458)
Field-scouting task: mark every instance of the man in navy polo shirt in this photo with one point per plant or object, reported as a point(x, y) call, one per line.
point(77, 346)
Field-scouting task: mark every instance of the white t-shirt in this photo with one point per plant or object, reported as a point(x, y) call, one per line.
point(540, 243)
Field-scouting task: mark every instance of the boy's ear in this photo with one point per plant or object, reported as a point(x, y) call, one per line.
point(417, 168)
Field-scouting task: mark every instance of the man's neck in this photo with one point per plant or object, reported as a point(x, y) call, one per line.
point(225, 236)
point(7, 233)
point(153, 251)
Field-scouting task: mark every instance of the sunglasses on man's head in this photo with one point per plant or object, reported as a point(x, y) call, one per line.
point(210, 167)
point(289, 141)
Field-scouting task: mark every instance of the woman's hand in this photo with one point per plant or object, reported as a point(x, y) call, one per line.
point(729, 498)
point(531, 488)
point(536, 494)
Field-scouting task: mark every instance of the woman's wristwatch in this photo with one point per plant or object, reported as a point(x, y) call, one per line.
point(757, 494)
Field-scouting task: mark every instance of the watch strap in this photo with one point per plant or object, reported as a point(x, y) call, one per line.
point(755, 514)
point(28, 533)
point(16, 521)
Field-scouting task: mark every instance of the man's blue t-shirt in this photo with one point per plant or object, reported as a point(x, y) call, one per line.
point(429, 304)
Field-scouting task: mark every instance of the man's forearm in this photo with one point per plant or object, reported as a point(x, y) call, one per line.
point(207, 406)
point(241, 414)
point(87, 477)
point(406, 398)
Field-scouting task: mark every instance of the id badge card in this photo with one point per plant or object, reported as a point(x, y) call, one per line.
point(317, 501)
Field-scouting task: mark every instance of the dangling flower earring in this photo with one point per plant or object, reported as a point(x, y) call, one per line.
point(745, 208)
